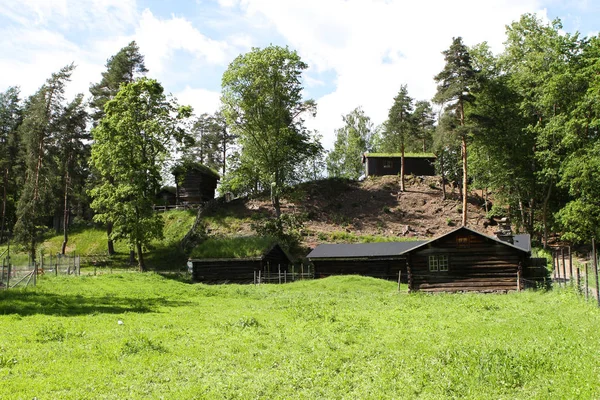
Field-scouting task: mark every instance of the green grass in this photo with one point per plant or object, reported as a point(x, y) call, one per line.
point(342, 337)
point(232, 247)
point(86, 241)
point(349, 237)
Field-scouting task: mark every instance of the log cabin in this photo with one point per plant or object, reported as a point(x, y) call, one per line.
point(194, 183)
point(271, 261)
point(379, 164)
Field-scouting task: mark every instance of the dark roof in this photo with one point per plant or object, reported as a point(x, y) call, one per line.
point(522, 246)
point(361, 250)
point(522, 241)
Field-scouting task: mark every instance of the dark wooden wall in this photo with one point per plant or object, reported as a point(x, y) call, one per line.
point(195, 187)
point(377, 268)
point(423, 166)
point(483, 265)
point(240, 271)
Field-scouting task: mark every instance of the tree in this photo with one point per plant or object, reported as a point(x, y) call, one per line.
point(122, 68)
point(424, 120)
point(130, 146)
point(454, 86)
point(211, 142)
point(10, 119)
point(399, 127)
point(72, 154)
point(351, 142)
point(41, 118)
point(263, 106)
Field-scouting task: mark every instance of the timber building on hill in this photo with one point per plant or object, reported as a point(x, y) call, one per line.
point(194, 183)
point(379, 164)
point(458, 261)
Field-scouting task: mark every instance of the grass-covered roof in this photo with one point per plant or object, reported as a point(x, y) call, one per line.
point(388, 155)
point(194, 166)
point(233, 247)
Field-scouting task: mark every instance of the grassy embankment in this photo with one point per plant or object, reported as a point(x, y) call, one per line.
point(342, 337)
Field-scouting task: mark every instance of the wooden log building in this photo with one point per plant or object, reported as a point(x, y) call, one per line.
point(379, 164)
point(194, 183)
point(458, 261)
point(379, 260)
point(240, 270)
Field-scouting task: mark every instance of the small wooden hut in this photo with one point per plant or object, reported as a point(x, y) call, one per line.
point(240, 269)
point(378, 260)
point(166, 196)
point(194, 183)
point(379, 164)
point(467, 260)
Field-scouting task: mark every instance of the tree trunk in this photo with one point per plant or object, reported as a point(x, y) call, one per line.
point(5, 183)
point(131, 257)
point(277, 206)
point(443, 177)
point(141, 263)
point(402, 168)
point(545, 214)
point(464, 188)
point(111, 246)
point(66, 215)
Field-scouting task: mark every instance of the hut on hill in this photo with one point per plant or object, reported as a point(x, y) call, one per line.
point(379, 164)
point(237, 262)
point(379, 260)
point(194, 183)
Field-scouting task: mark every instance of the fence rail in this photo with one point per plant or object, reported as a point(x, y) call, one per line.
point(23, 275)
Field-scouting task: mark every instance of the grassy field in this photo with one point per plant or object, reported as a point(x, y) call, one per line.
point(340, 337)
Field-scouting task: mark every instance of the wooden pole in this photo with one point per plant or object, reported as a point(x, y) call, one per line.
point(399, 273)
point(562, 255)
point(554, 264)
point(259, 277)
point(587, 289)
point(578, 281)
point(555, 254)
point(596, 270)
point(570, 262)
point(254, 279)
point(519, 278)
point(285, 276)
point(279, 272)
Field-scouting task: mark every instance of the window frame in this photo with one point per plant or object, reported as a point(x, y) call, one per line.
point(438, 263)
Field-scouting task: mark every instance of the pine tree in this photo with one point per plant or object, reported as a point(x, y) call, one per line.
point(38, 130)
point(10, 119)
point(455, 82)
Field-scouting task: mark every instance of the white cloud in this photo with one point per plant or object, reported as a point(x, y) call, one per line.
point(202, 100)
point(374, 47)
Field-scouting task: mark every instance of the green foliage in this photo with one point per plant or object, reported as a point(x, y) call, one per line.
point(233, 247)
point(287, 229)
point(351, 142)
point(263, 106)
point(129, 152)
point(340, 337)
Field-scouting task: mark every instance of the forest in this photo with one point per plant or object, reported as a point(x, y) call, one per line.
point(521, 125)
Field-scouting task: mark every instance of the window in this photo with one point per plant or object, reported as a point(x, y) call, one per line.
point(438, 263)
point(388, 164)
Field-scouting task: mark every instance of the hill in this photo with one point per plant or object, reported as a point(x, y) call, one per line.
point(337, 210)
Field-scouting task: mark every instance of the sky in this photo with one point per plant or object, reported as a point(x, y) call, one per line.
point(359, 52)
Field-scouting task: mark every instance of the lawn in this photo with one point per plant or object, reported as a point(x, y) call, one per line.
point(340, 337)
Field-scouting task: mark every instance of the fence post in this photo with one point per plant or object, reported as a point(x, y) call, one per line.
point(557, 260)
point(596, 270)
point(285, 276)
point(564, 267)
point(35, 271)
point(259, 276)
point(399, 273)
point(301, 270)
point(519, 278)
point(254, 279)
point(8, 277)
point(279, 272)
point(578, 281)
point(587, 290)
point(570, 262)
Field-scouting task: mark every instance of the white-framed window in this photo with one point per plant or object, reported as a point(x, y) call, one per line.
point(438, 263)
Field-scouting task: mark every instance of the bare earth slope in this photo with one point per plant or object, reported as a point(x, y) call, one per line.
point(338, 210)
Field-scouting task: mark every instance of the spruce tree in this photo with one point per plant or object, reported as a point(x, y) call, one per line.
point(399, 126)
point(455, 83)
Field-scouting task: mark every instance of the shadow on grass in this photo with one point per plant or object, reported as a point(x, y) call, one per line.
point(26, 303)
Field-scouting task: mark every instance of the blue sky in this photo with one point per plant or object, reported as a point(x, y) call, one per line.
point(359, 52)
